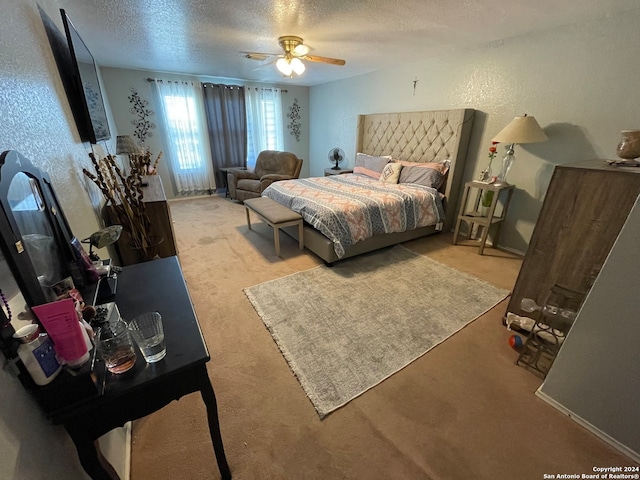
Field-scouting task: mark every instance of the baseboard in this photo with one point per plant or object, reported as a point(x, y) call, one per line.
point(635, 456)
point(489, 243)
point(512, 250)
point(192, 197)
point(116, 447)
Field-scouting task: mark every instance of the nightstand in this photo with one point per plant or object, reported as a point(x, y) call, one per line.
point(226, 180)
point(331, 171)
point(476, 214)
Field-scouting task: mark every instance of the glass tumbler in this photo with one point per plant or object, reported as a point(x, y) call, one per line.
point(115, 347)
point(148, 333)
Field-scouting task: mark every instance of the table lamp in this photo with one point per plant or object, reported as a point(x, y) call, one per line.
point(524, 129)
point(108, 272)
point(125, 145)
point(102, 238)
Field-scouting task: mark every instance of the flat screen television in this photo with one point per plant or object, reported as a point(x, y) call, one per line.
point(80, 79)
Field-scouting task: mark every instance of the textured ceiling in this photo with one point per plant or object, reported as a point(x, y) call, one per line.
point(205, 37)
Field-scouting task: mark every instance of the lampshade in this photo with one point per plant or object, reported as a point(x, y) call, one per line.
point(284, 66)
point(523, 129)
point(301, 49)
point(297, 65)
point(125, 145)
point(288, 65)
point(105, 237)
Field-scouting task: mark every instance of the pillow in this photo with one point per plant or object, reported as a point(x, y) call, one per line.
point(390, 173)
point(369, 165)
point(442, 167)
point(422, 175)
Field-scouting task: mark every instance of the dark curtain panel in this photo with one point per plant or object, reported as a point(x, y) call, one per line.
point(227, 126)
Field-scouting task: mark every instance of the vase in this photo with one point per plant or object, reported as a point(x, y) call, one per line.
point(149, 251)
point(629, 146)
point(486, 174)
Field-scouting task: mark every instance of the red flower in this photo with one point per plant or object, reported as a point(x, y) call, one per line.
point(492, 149)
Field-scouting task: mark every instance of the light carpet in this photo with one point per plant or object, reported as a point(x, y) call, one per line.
point(344, 329)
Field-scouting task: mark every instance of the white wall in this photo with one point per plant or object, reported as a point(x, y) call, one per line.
point(579, 81)
point(37, 122)
point(595, 376)
point(118, 83)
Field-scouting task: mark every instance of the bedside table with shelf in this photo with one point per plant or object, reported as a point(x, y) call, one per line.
point(332, 171)
point(476, 214)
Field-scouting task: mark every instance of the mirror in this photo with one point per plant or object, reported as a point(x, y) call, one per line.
point(36, 238)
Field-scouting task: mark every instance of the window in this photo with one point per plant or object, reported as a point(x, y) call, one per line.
point(180, 115)
point(269, 118)
point(264, 122)
point(184, 126)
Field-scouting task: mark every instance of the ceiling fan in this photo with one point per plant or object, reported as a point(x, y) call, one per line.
point(294, 52)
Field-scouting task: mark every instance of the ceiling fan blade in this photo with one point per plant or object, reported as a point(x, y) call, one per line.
point(315, 58)
point(259, 56)
point(262, 65)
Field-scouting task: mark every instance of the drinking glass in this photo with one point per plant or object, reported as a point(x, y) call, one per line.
point(148, 333)
point(529, 305)
point(115, 347)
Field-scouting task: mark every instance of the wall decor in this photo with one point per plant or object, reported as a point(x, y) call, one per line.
point(294, 115)
point(142, 123)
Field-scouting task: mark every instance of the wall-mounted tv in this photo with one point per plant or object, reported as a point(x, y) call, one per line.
point(80, 79)
point(87, 84)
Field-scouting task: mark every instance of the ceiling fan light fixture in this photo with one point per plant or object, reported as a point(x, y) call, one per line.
point(291, 62)
point(297, 66)
point(301, 49)
point(284, 66)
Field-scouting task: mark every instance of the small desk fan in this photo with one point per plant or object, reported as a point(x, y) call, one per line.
point(336, 155)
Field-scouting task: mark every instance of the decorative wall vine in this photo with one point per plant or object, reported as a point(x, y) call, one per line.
point(294, 115)
point(142, 123)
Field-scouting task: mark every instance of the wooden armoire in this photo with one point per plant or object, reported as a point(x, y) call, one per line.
point(584, 209)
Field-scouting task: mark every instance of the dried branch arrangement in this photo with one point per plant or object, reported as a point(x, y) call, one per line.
point(124, 197)
point(142, 162)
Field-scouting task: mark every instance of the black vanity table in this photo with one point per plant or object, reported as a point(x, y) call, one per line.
point(157, 285)
point(36, 243)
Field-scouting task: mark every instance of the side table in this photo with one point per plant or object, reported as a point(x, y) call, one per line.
point(333, 171)
point(226, 179)
point(159, 212)
point(476, 215)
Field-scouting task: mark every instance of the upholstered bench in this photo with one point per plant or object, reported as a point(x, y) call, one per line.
point(276, 216)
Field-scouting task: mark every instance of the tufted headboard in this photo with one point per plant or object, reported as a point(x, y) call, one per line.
point(429, 136)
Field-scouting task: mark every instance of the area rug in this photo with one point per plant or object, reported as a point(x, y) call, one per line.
point(344, 329)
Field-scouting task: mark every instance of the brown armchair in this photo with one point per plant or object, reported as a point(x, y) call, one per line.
point(271, 166)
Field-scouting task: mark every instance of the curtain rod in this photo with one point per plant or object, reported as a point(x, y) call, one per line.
point(205, 84)
point(283, 90)
point(149, 79)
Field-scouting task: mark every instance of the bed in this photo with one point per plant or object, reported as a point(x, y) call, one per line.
point(405, 210)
